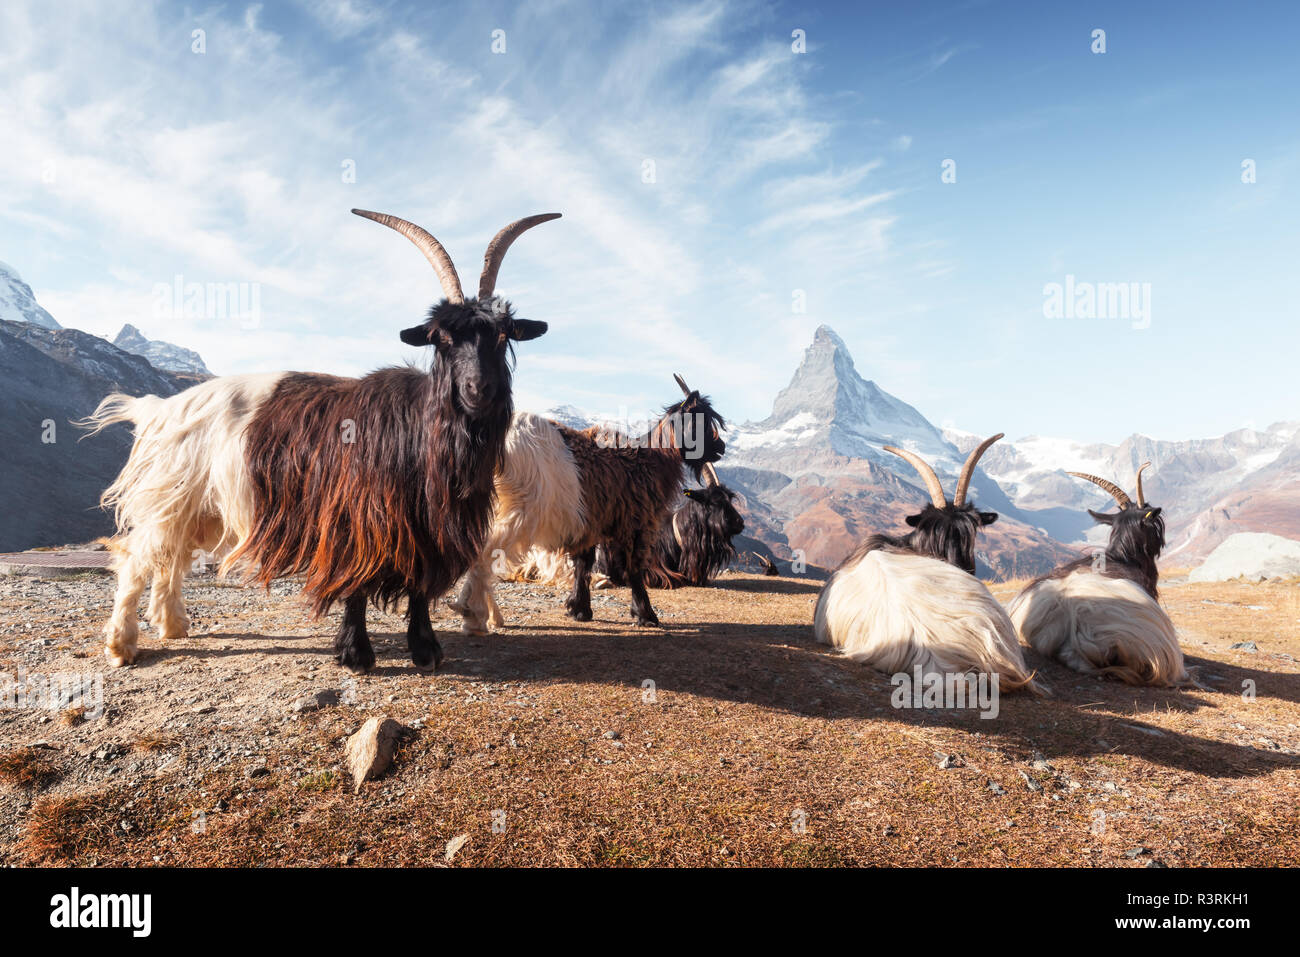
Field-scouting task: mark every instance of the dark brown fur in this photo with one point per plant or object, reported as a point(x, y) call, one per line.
point(388, 512)
point(628, 492)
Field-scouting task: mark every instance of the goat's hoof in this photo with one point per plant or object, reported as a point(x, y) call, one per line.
point(357, 664)
point(650, 622)
point(120, 660)
point(580, 614)
point(474, 630)
point(459, 607)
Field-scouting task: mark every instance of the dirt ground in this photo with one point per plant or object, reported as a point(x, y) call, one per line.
point(729, 737)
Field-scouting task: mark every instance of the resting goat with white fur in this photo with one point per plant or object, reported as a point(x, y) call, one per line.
point(914, 601)
point(1102, 615)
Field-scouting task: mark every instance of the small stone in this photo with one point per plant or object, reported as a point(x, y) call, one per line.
point(1030, 782)
point(1136, 852)
point(996, 788)
point(1247, 646)
point(949, 761)
point(612, 736)
point(370, 751)
point(454, 845)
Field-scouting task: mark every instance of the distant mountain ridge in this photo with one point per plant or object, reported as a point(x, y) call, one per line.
point(51, 482)
point(50, 376)
point(163, 355)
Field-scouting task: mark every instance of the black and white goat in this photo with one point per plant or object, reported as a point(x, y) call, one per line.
point(694, 545)
point(1101, 615)
point(565, 490)
point(898, 603)
point(374, 488)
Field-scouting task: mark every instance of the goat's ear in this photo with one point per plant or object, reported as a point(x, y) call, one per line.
point(690, 493)
point(913, 520)
point(416, 335)
point(988, 518)
point(521, 330)
point(1102, 518)
point(1150, 513)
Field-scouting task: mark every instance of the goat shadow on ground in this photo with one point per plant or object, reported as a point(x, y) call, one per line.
point(780, 666)
point(783, 668)
point(766, 586)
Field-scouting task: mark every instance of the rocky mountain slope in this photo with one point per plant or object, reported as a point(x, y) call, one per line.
point(50, 482)
point(1247, 480)
point(161, 355)
point(817, 467)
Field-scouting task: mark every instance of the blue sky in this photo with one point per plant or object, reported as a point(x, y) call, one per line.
point(130, 159)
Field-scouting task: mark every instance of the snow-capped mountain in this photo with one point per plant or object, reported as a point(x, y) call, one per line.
point(18, 303)
point(163, 355)
point(1210, 488)
point(818, 467)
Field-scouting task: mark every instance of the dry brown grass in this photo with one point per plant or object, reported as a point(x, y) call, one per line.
point(27, 767)
point(758, 748)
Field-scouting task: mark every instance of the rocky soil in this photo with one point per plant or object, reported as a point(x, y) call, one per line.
point(727, 737)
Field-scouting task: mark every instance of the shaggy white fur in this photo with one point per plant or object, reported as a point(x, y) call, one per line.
point(539, 503)
point(183, 495)
point(1096, 624)
point(895, 611)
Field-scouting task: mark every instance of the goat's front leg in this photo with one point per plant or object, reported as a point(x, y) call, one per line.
point(352, 643)
point(641, 609)
point(579, 604)
point(426, 653)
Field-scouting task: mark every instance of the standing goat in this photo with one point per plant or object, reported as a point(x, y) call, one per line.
point(913, 601)
point(694, 545)
point(1102, 615)
point(372, 488)
point(568, 490)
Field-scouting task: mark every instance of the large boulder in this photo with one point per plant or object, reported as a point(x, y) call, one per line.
point(1253, 556)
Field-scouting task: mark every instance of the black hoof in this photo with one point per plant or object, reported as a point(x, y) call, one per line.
point(356, 662)
point(428, 662)
point(650, 621)
point(580, 614)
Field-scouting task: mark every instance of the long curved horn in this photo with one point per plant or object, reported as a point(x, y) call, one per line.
point(710, 475)
point(968, 470)
point(686, 390)
point(1114, 490)
point(431, 248)
point(1142, 501)
point(496, 250)
point(932, 484)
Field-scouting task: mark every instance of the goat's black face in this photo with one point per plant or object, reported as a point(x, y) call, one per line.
point(700, 437)
point(716, 502)
point(1134, 530)
point(473, 340)
point(948, 533)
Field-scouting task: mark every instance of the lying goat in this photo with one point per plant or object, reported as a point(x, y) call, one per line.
point(569, 491)
point(902, 602)
point(372, 488)
point(1102, 615)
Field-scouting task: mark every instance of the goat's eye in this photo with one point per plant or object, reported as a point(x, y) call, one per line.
point(502, 338)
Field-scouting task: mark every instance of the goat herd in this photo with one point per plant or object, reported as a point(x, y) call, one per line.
point(400, 482)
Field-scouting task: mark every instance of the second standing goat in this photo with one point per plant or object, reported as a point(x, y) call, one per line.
point(571, 490)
